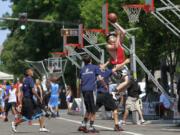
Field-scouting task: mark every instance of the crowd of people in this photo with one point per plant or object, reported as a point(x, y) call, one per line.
point(30, 99)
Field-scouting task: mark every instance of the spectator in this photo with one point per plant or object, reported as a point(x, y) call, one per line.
point(69, 98)
point(164, 105)
point(54, 97)
point(133, 102)
point(1, 101)
point(178, 92)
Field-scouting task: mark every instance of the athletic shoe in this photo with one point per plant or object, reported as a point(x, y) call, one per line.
point(6, 120)
point(30, 123)
point(93, 130)
point(118, 128)
point(83, 129)
point(142, 121)
point(13, 126)
point(57, 115)
point(43, 130)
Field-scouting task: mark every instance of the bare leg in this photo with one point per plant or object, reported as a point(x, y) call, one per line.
point(126, 113)
point(140, 114)
point(14, 112)
point(41, 122)
point(115, 113)
point(122, 86)
point(92, 117)
point(138, 104)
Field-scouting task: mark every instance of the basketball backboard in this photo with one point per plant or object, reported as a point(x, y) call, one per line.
point(150, 3)
point(54, 65)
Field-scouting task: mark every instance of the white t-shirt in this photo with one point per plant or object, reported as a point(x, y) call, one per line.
point(1, 93)
point(165, 101)
point(12, 96)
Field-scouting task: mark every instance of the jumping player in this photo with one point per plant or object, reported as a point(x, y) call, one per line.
point(88, 76)
point(116, 51)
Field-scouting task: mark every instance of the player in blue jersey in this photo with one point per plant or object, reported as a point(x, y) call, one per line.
point(88, 76)
point(104, 98)
point(29, 110)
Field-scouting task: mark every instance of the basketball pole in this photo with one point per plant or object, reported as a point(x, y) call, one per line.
point(133, 57)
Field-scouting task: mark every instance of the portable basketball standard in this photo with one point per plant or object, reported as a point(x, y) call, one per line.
point(112, 17)
point(133, 10)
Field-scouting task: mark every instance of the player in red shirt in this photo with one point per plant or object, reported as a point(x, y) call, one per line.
point(116, 51)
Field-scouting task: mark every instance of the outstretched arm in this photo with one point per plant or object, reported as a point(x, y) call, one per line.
point(120, 29)
point(103, 66)
point(119, 66)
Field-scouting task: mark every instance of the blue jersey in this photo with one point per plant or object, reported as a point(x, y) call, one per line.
point(8, 88)
point(88, 75)
point(54, 89)
point(105, 74)
point(27, 87)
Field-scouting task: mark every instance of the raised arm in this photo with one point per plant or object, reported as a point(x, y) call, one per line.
point(119, 66)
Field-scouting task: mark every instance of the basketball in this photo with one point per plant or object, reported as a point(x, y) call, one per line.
point(112, 17)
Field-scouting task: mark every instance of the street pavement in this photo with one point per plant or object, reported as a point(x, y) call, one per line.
point(68, 125)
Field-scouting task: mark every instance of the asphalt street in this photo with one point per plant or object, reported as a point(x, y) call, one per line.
point(68, 125)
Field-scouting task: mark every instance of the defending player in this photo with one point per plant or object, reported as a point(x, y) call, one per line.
point(103, 95)
point(88, 76)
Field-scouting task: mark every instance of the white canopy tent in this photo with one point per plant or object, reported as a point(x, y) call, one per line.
point(5, 76)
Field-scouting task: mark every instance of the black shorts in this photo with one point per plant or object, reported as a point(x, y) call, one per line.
point(30, 110)
point(105, 99)
point(89, 101)
point(9, 106)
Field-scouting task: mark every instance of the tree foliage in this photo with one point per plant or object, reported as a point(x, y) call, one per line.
point(153, 40)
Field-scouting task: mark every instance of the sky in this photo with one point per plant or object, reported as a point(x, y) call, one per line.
point(4, 7)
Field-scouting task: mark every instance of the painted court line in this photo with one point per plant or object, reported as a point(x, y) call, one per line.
point(99, 126)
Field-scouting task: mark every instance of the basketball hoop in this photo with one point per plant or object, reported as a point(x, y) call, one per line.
point(133, 12)
point(58, 54)
point(91, 35)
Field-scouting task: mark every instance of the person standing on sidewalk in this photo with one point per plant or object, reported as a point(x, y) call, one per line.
point(29, 111)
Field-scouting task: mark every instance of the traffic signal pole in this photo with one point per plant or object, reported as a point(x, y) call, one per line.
point(41, 21)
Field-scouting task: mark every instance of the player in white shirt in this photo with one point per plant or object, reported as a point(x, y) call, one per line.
point(12, 101)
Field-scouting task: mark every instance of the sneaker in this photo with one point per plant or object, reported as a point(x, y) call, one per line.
point(122, 122)
point(142, 121)
point(138, 123)
point(13, 126)
point(83, 129)
point(57, 115)
point(53, 115)
point(30, 123)
point(6, 120)
point(118, 128)
point(43, 130)
point(93, 130)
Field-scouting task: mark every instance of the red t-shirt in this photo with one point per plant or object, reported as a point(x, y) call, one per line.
point(120, 56)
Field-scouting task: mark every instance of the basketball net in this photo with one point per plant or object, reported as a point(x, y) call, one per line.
point(91, 36)
point(133, 13)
